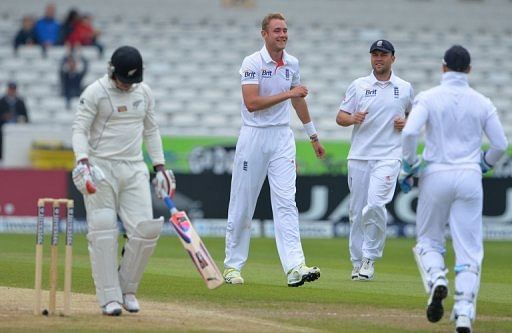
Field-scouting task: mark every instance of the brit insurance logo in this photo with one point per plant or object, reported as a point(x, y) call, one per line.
point(287, 74)
point(396, 93)
point(370, 93)
point(248, 74)
point(266, 74)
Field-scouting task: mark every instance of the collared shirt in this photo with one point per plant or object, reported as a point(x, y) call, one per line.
point(112, 124)
point(455, 116)
point(272, 79)
point(376, 138)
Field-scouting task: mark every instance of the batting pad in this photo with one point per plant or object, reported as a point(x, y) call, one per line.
point(136, 254)
point(424, 275)
point(103, 252)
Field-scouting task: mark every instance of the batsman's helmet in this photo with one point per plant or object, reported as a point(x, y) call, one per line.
point(126, 65)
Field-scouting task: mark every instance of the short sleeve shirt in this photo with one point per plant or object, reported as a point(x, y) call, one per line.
point(272, 79)
point(376, 138)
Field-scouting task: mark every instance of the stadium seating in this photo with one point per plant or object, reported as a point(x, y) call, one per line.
point(193, 51)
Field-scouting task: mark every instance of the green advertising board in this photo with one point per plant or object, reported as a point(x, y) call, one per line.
point(186, 154)
point(199, 154)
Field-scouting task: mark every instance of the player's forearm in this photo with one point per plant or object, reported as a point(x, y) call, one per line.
point(409, 146)
point(258, 103)
point(80, 145)
point(80, 135)
point(154, 147)
point(301, 108)
point(498, 140)
point(344, 119)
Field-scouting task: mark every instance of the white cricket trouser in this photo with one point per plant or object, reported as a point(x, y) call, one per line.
point(125, 192)
point(261, 152)
point(453, 197)
point(372, 185)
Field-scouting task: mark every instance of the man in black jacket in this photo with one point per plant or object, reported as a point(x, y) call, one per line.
point(12, 109)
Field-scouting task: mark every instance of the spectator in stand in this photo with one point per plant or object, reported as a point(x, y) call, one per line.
point(73, 68)
point(26, 34)
point(69, 24)
point(47, 29)
point(12, 109)
point(83, 33)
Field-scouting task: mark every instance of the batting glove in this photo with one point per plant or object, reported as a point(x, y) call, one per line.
point(408, 171)
point(164, 181)
point(85, 177)
point(483, 163)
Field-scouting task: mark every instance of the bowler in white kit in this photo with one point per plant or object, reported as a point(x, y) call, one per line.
point(115, 116)
point(376, 105)
point(270, 81)
point(455, 117)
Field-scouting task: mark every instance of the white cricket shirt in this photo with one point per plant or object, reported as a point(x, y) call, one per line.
point(112, 124)
point(260, 69)
point(376, 138)
point(455, 117)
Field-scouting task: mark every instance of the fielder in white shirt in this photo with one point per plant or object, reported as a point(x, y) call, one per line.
point(266, 147)
point(455, 117)
point(115, 115)
point(376, 105)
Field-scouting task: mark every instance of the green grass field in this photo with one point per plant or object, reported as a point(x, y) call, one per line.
point(394, 302)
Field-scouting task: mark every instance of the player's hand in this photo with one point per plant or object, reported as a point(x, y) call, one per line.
point(319, 149)
point(405, 181)
point(85, 177)
point(399, 123)
point(407, 172)
point(164, 181)
point(484, 166)
point(358, 117)
point(299, 91)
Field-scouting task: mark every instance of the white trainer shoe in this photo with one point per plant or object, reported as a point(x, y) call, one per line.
point(438, 293)
point(463, 324)
point(302, 273)
point(367, 270)
point(130, 303)
point(112, 309)
point(233, 276)
point(355, 273)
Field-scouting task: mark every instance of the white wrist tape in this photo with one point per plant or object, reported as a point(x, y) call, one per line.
point(310, 129)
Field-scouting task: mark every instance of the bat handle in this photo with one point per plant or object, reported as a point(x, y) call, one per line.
point(169, 203)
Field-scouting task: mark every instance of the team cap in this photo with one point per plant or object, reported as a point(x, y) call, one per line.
point(382, 45)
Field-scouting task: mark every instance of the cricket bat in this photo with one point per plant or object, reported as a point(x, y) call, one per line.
point(194, 245)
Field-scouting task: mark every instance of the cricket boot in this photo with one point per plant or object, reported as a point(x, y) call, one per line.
point(233, 276)
point(130, 303)
point(112, 309)
point(355, 273)
point(438, 293)
point(463, 324)
point(302, 273)
point(367, 270)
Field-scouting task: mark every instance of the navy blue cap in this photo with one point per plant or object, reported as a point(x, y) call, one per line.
point(11, 85)
point(457, 58)
point(382, 45)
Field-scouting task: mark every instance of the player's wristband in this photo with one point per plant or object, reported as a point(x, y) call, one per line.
point(310, 129)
